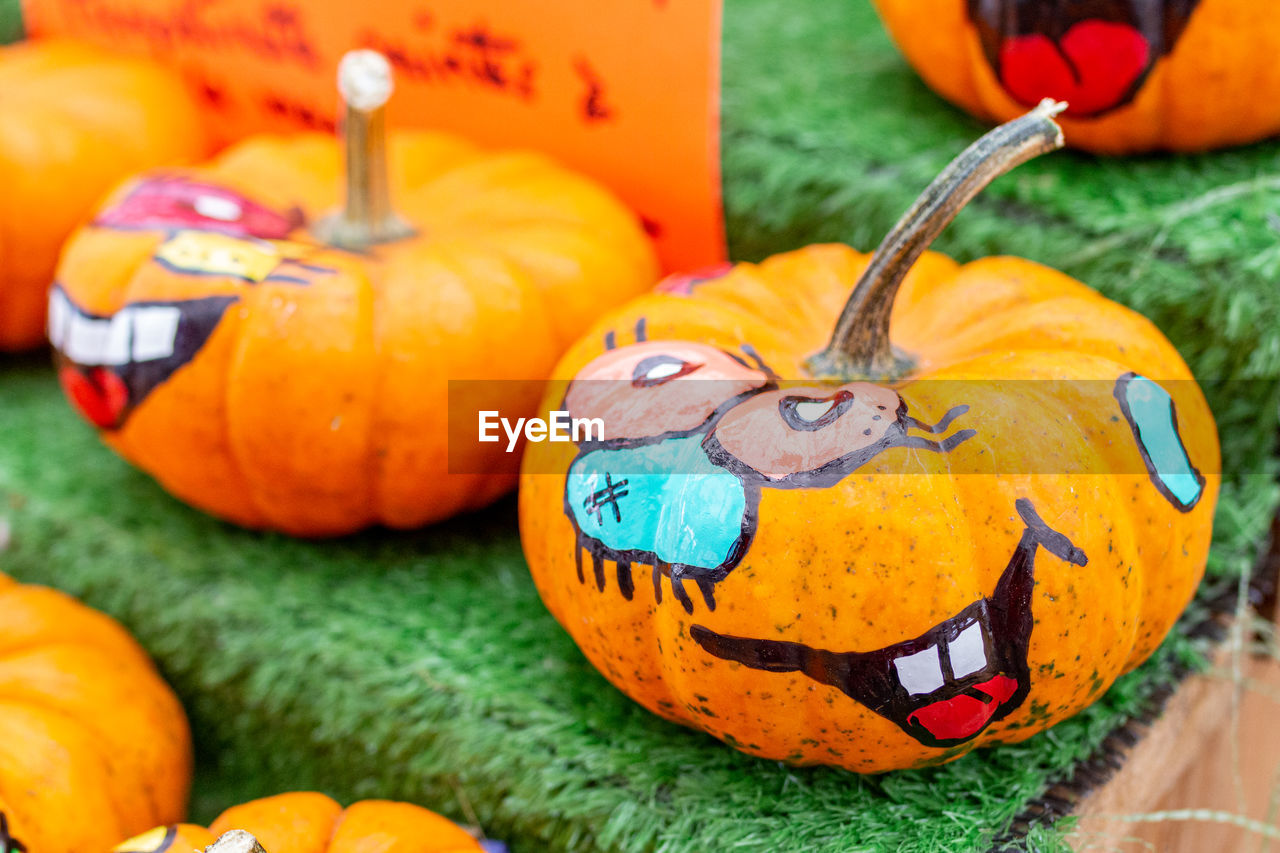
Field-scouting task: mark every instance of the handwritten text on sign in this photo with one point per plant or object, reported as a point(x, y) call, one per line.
point(625, 90)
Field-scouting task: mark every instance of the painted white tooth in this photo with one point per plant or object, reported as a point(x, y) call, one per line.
point(811, 411)
point(968, 651)
point(215, 207)
point(60, 312)
point(920, 672)
point(155, 327)
point(115, 349)
point(87, 339)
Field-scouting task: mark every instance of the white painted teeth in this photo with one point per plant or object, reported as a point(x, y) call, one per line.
point(922, 671)
point(968, 651)
point(136, 333)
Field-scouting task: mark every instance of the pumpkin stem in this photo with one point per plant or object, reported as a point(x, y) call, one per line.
point(860, 347)
point(235, 841)
point(366, 219)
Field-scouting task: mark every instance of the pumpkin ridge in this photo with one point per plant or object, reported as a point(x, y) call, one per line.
point(104, 740)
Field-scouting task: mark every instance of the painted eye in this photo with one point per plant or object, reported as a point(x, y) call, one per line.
point(810, 413)
point(213, 207)
point(657, 369)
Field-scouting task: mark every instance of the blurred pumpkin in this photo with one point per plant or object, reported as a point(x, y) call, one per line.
point(911, 550)
point(76, 121)
point(93, 744)
point(306, 822)
point(1182, 75)
point(284, 370)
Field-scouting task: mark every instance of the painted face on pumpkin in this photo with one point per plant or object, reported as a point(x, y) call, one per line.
point(108, 364)
point(1094, 54)
point(951, 682)
point(676, 483)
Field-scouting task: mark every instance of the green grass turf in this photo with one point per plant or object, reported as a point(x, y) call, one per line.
point(10, 20)
point(423, 666)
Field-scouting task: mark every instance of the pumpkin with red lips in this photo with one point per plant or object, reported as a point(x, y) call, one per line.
point(1181, 75)
point(281, 369)
point(986, 498)
point(76, 121)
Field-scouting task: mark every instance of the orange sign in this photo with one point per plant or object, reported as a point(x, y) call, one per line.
point(627, 90)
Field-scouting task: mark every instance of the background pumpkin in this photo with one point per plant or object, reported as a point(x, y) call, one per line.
point(76, 121)
point(897, 553)
point(306, 822)
point(1183, 75)
point(303, 387)
point(93, 745)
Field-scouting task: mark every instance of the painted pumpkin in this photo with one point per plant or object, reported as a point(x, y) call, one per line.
point(306, 822)
point(93, 744)
point(76, 121)
point(879, 556)
point(284, 369)
point(1181, 75)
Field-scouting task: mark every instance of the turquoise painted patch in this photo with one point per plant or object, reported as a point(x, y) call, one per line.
point(667, 499)
point(1150, 411)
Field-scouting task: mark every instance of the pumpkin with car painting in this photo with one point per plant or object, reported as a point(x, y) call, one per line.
point(895, 550)
point(284, 369)
point(1181, 75)
point(77, 120)
point(308, 822)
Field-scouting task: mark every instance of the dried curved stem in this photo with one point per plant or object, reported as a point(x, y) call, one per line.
point(860, 345)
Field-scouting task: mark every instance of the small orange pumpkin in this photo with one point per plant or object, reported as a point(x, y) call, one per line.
point(911, 550)
point(208, 322)
point(1181, 75)
point(76, 121)
point(306, 822)
point(93, 744)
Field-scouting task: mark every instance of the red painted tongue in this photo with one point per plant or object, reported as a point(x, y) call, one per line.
point(964, 715)
point(99, 394)
point(1092, 68)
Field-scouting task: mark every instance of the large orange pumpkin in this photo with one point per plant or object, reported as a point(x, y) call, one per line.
point(76, 121)
point(1183, 75)
point(93, 744)
point(880, 556)
point(207, 322)
point(306, 822)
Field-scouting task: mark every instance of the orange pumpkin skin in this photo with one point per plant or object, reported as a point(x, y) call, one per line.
point(93, 744)
point(907, 540)
point(316, 403)
point(76, 121)
point(1205, 80)
point(306, 822)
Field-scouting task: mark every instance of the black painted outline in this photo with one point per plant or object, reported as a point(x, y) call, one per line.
point(706, 577)
point(870, 678)
point(1120, 392)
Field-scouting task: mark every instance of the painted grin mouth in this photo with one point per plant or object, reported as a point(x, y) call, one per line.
point(108, 364)
point(1093, 54)
point(946, 685)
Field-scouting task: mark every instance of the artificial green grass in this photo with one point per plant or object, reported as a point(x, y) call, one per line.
point(423, 666)
point(10, 20)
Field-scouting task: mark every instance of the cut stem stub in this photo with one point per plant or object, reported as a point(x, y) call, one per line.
point(235, 841)
point(366, 219)
point(860, 347)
